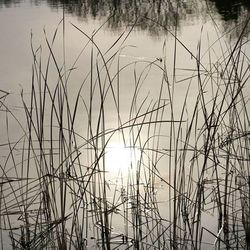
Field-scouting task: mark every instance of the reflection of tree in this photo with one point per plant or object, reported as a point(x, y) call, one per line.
point(126, 12)
point(231, 9)
point(234, 14)
point(166, 12)
point(8, 3)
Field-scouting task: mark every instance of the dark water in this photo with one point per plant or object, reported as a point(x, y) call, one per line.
point(138, 13)
point(231, 9)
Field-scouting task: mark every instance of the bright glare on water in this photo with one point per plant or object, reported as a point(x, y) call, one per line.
point(119, 158)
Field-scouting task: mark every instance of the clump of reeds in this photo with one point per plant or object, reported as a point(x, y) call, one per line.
point(57, 190)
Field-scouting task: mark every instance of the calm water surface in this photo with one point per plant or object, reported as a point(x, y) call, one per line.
point(150, 19)
point(20, 18)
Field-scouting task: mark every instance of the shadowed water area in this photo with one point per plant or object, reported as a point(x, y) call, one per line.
point(124, 124)
point(127, 12)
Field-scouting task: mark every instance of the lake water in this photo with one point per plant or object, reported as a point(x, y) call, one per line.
point(19, 18)
point(124, 170)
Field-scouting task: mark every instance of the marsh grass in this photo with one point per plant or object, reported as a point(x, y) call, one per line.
point(188, 186)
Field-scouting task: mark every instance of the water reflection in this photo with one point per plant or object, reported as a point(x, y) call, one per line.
point(169, 13)
point(130, 12)
point(9, 3)
point(231, 9)
point(164, 11)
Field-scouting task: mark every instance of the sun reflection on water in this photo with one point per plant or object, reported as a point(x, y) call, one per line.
point(120, 158)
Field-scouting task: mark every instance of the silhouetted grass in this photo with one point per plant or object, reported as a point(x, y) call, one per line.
point(187, 182)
